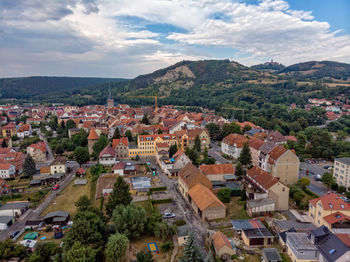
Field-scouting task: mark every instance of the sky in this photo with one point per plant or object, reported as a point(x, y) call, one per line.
point(126, 38)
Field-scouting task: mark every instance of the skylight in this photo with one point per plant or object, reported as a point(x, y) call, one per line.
point(338, 216)
point(330, 205)
point(331, 251)
point(342, 206)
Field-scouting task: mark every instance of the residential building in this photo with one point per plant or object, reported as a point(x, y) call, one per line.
point(37, 151)
point(321, 207)
point(9, 130)
point(172, 166)
point(24, 130)
point(232, 145)
point(121, 147)
point(92, 139)
point(182, 234)
point(206, 205)
point(218, 172)
point(254, 145)
point(7, 171)
point(341, 171)
point(330, 247)
point(186, 138)
point(300, 248)
point(222, 245)
point(14, 158)
point(257, 237)
point(262, 185)
point(118, 168)
point(107, 156)
point(189, 176)
point(58, 166)
point(276, 138)
point(147, 144)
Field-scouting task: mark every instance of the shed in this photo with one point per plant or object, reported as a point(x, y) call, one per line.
point(5, 222)
point(80, 182)
point(57, 218)
point(182, 234)
point(271, 255)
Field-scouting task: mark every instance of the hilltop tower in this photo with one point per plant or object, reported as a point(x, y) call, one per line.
point(110, 101)
point(92, 139)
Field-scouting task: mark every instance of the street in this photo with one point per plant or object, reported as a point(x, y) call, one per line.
point(215, 152)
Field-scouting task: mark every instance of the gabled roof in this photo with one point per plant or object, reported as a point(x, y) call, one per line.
point(255, 143)
point(331, 201)
point(217, 169)
point(220, 240)
point(275, 137)
point(204, 198)
point(345, 238)
point(93, 135)
point(123, 140)
point(235, 139)
point(118, 166)
point(5, 166)
point(261, 177)
point(276, 153)
point(39, 146)
point(191, 176)
point(108, 150)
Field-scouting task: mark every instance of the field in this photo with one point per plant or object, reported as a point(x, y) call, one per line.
point(65, 201)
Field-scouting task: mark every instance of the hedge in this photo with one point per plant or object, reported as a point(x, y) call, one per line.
point(155, 189)
point(162, 201)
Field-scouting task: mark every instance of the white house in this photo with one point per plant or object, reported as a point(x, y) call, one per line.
point(7, 170)
point(24, 131)
point(171, 166)
point(182, 124)
point(107, 156)
point(232, 145)
point(118, 168)
point(58, 166)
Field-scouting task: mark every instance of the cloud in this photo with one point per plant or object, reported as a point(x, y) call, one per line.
point(125, 38)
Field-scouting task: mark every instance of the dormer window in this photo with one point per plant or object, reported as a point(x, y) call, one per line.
point(342, 206)
point(337, 216)
point(330, 205)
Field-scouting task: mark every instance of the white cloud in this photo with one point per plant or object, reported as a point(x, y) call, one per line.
point(89, 37)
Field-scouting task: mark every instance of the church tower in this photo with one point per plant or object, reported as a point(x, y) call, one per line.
point(110, 101)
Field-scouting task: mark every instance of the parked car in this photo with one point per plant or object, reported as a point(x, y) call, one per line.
point(13, 234)
point(168, 215)
point(57, 186)
point(318, 177)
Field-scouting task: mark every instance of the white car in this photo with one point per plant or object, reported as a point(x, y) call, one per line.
point(168, 215)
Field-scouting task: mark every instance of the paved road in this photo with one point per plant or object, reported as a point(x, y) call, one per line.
point(197, 226)
point(31, 214)
point(215, 152)
point(315, 186)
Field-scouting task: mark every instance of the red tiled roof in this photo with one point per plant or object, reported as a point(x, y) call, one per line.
point(203, 197)
point(345, 238)
point(255, 143)
point(93, 135)
point(40, 146)
point(108, 150)
point(235, 139)
point(5, 166)
point(275, 153)
point(336, 217)
point(123, 140)
point(263, 178)
point(220, 240)
point(331, 201)
point(219, 169)
point(118, 166)
point(191, 176)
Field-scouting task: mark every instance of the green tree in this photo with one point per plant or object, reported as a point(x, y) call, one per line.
point(191, 250)
point(341, 189)
point(119, 196)
point(245, 158)
point(130, 220)
point(197, 144)
point(83, 203)
point(116, 134)
point(239, 172)
point(303, 182)
point(79, 252)
point(70, 124)
point(59, 149)
point(80, 138)
point(128, 135)
point(44, 251)
point(144, 256)
point(298, 196)
point(145, 119)
point(172, 150)
point(224, 195)
point(327, 179)
point(81, 155)
point(99, 145)
point(163, 230)
point(9, 249)
point(232, 128)
point(192, 155)
point(116, 247)
point(160, 131)
point(29, 168)
point(214, 131)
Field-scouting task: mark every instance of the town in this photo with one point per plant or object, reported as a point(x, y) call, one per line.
point(167, 182)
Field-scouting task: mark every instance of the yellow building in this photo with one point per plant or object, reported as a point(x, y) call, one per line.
point(330, 203)
point(9, 130)
point(147, 144)
point(186, 138)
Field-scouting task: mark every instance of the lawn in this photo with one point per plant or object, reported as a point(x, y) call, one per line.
point(146, 205)
point(235, 209)
point(65, 201)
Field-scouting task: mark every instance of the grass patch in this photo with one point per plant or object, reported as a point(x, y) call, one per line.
point(235, 209)
point(141, 244)
point(66, 199)
point(146, 205)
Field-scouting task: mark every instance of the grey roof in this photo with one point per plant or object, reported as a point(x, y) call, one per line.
point(267, 147)
point(80, 182)
point(182, 230)
point(5, 219)
point(300, 241)
point(271, 254)
point(253, 131)
point(59, 219)
point(260, 202)
point(298, 226)
point(257, 233)
point(283, 235)
point(57, 214)
point(329, 245)
point(234, 185)
point(35, 182)
point(344, 160)
point(15, 205)
point(241, 224)
point(229, 177)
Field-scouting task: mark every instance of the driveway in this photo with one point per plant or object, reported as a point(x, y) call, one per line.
point(315, 186)
point(215, 152)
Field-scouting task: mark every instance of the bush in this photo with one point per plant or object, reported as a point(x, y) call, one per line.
point(167, 246)
point(236, 192)
point(334, 186)
point(161, 188)
point(341, 189)
point(224, 195)
point(162, 201)
point(180, 222)
point(298, 196)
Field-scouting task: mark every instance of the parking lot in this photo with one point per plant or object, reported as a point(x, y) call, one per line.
point(314, 169)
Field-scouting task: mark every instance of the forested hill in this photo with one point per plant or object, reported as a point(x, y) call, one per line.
point(318, 70)
point(29, 87)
